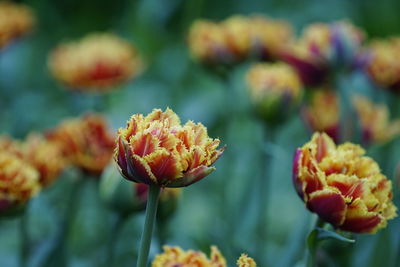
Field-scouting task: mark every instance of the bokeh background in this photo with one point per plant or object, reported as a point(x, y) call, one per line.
point(221, 209)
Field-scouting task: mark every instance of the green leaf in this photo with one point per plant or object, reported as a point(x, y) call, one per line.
point(323, 234)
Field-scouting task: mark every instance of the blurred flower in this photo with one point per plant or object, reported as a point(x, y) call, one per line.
point(86, 142)
point(322, 115)
point(344, 187)
point(325, 47)
point(275, 89)
point(98, 62)
point(237, 38)
point(15, 21)
point(124, 197)
point(175, 256)
point(45, 156)
point(19, 182)
point(246, 261)
point(157, 149)
point(384, 66)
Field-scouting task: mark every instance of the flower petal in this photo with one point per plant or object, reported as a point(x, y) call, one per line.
point(192, 176)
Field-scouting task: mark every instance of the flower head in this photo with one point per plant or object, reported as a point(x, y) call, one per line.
point(238, 38)
point(344, 187)
point(97, 62)
point(15, 20)
point(86, 142)
point(274, 88)
point(322, 115)
point(157, 149)
point(45, 156)
point(323, 47)
point(19, 182)
point(246, 261)
point(384, 66)
point(175, 256)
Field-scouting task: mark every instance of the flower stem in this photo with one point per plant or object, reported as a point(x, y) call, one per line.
point(24, 253)
point(312, 244)
point(151, 211)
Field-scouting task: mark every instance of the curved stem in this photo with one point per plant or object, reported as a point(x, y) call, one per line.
point(151, 211)
point(312, 244)
point(24, 253)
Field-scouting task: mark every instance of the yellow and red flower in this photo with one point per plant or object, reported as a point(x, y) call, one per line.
point(245, 261)
point(45, 156)
point(275, 89)
point(384, 66)
point(322, 115)
point(19, 182)
point(342, 186)
point(157, 149)
point(323, 47)
point(98, 62)
point(175, 256)
point(16, 20)
point(238, 38)
point(86, 142)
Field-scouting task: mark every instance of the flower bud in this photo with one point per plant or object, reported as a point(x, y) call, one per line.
point(275, 90)
point(342, 186)
point(157, 149)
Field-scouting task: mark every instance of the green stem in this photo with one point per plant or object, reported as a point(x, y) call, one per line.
point(24, 239)
point(116, 229)
point(151, 211)
point(312, 244)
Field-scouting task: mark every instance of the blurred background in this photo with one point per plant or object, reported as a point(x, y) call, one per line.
point(223, 208)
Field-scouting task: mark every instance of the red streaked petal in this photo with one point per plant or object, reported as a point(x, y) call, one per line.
point(298, 184)
point(144, 144)
point(367, 224)
point(329, 205)
point(192, 176)
point(164, 165)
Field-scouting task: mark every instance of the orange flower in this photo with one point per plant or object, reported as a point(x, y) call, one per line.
point(245, 261)
point(15, 20)
point(98, 62)
point(157, 149)
point(45, 156)
point(323, 47)
point(18, 182)
point(86, 142)
point(175, 256)
point(384, 66)
point(323, 115)
point(237, 38)
point(344, 187)
point(274, 88)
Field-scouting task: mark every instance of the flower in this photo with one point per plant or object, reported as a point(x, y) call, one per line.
point(275, 89)
point(246, 261)
point(342, 186)
point(323, 47)
point(18, 182)
point(237, 38)
point(175, 256)
point(322, 115)
point(45, 156)
point(384, 68)
point(157, 149)
point(86, 142)
point(15, 21)
point(98, 62)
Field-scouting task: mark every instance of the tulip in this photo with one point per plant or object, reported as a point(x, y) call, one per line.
point(16, 20)
point(98, 62)
point(158, 150)
point(342, 186)
point(246, 261)
point(86, 142)
point(325, 48)
point(275, 90)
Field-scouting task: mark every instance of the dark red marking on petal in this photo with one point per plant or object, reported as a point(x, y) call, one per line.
point(330, 206)
point(361, 224)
